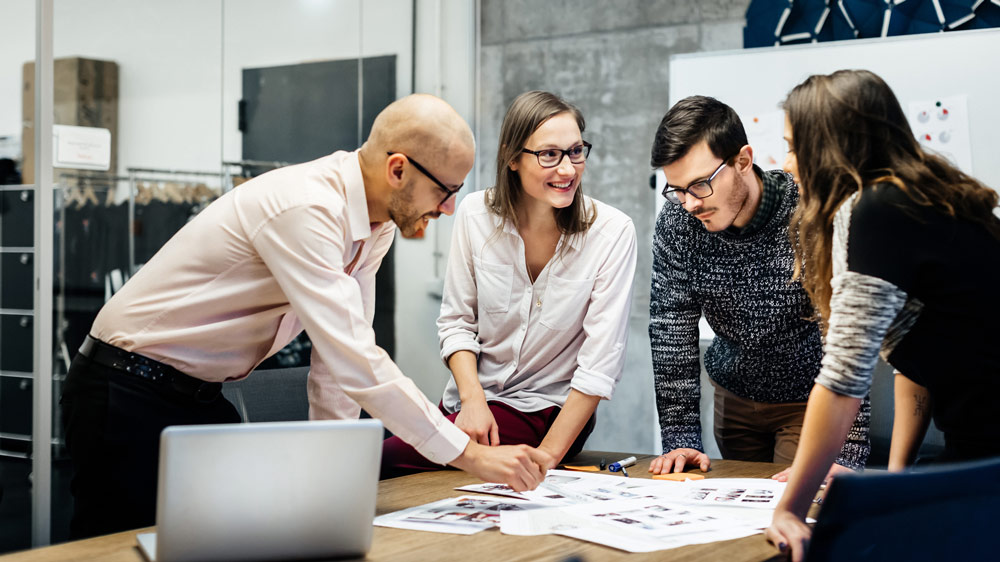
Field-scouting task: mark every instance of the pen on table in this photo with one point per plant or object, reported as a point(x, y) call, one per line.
point(620, 465)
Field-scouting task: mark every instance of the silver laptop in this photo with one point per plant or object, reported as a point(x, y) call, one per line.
point(265, 491)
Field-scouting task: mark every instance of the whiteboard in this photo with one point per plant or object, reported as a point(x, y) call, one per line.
point(959, 67)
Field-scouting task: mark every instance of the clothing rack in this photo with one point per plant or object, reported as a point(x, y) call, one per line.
point(134, 178)
point(260, 163)
point(66, 180)
point(249, 168)
point(102, 188)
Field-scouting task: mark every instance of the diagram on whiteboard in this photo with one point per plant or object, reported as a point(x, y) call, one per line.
point(942, 125)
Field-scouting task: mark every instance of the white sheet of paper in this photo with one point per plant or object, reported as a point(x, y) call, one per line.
point(465, 515)
point(630, 514)
point(538, 521)
point(645, 525)
point(565, 487)
point(755, 493)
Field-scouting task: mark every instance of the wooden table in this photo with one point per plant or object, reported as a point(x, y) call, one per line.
point(409, 491)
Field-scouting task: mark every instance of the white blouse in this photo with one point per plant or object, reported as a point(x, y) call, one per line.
point(536, 341)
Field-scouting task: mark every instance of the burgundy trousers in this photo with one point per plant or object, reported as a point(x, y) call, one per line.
point(515, 428)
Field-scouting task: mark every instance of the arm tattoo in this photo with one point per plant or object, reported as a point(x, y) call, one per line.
point(921, 408)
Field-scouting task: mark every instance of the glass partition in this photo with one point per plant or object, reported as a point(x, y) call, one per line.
point(187, 99)
point(17, 258)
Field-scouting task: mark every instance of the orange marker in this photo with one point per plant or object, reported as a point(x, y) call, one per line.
point(582, 468)
point(678, 476)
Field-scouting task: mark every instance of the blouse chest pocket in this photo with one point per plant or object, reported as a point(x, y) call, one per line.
point(494, 283)
point(565, 302)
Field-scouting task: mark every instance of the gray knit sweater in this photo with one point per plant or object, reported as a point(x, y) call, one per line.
point(765, 348)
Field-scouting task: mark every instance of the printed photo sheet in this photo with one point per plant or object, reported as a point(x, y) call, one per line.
point(564, 487)
point(463, 515)
point(756, 493)
point(631, 514)
point(637, 525)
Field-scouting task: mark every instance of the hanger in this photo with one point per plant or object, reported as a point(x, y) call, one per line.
point(109, 197)
point(87, 195)
point(173, 192)
point(144, 193)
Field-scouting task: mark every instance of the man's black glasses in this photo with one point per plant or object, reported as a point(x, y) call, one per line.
point(551, 157)
point(424, 171)
point(699, 189)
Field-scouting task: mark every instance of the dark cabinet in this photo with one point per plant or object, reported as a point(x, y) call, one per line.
point(15, 405)
point(16, 352)
point(18, 270)
point(17, 218)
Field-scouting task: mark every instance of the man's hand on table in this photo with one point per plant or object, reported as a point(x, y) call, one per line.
point(678, 460)
point(519, 466)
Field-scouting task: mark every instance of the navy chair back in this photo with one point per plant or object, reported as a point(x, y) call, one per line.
point(944, 513)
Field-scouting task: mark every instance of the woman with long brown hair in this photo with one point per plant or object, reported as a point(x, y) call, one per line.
point(899, 251)
point(537, 294)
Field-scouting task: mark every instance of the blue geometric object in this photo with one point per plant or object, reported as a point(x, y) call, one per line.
point(816, 20)
point(956, 12)
point(986, 15)
point(765, 18)
point(840, 25)
point(789, 22)
point(914, 16)
point(805, 21)
point(866, 15)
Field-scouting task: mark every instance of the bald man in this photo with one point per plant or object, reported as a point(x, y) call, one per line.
point(293, 249)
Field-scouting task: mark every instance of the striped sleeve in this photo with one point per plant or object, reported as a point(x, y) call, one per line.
point(862, 308)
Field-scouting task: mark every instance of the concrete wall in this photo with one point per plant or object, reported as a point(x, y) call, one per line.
point(612, 60)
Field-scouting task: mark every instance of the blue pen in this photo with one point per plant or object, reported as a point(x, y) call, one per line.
point(620, 465)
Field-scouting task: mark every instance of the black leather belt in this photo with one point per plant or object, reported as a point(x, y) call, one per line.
point(149, 369)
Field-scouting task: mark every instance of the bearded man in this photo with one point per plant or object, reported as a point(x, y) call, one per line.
point(296, 248)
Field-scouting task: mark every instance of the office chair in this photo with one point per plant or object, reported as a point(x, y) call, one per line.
point(270, 395)
point(942, 513)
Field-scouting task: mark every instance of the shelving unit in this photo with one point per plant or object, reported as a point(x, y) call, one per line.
point(17, 255)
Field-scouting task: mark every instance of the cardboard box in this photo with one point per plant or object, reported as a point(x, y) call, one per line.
point(85, 94)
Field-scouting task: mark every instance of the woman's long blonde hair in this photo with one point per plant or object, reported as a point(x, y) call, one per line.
point(526, 113)
point(848, 132)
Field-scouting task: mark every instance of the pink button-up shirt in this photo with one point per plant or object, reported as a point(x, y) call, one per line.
point(261, 263)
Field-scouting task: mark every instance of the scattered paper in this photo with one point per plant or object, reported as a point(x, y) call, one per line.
point(638, 525)
point(563, 487)
point(463, 516)
point(757, 493)
point(630, 514)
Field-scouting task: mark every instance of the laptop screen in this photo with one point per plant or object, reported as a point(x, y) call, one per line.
point(267, 490)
